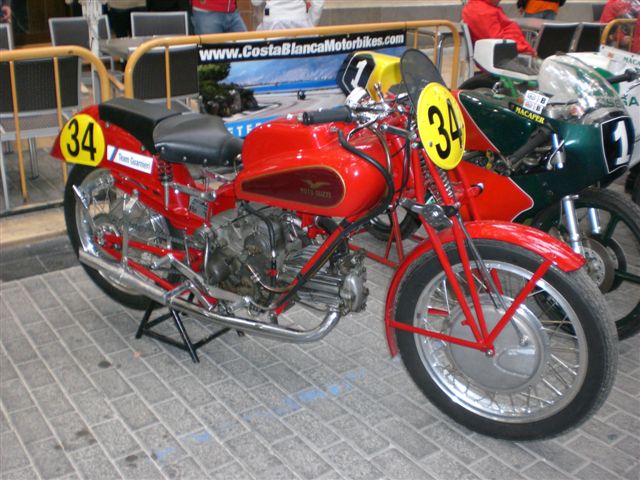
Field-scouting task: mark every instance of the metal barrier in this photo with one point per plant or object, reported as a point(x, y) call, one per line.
point(630, 23)
point(44, 53)
point(168, 42)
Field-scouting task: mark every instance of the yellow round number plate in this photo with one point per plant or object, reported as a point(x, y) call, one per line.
point(441, 126)
point(82, 141)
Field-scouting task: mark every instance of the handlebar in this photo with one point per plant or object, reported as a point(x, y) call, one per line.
point(537, 139)
point(339, 114)
point(628, 76)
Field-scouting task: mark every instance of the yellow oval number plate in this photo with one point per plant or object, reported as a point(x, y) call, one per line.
point(82, 141)
point(441, 126)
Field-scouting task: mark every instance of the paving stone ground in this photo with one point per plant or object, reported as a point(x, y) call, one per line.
point(82, 398)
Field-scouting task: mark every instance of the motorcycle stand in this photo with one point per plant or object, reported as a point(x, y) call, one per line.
point(146, 325)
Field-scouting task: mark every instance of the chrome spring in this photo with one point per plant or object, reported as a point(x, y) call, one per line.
point(165, 171)
point(429, 183)
point(446, 182)
point(165, 175)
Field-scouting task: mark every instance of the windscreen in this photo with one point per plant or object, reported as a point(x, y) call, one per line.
point(417, 72)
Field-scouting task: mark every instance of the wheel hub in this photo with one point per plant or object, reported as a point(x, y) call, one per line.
point(520, 351)
point(602, 263)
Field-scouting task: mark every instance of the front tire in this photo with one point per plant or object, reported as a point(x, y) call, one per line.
point(105, 215)
point(613, 255)
point(554, 381)
point(380, 227)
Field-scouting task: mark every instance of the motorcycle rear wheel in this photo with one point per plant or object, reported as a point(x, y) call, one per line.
point(553, 382)
point(105, 215)
point(613, 256)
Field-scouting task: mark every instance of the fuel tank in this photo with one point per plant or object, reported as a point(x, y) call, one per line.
point(293, 166)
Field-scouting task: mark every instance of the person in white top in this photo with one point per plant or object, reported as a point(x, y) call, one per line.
point(278, 14)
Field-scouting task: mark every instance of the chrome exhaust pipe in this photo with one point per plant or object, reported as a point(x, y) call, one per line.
point(114, 270)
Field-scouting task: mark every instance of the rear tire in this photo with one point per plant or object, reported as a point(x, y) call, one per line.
point(479, 80)
point(105, 212)
point(554, 382)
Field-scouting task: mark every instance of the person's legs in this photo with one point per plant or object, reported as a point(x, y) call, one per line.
point(235, 22)
point(208, 22)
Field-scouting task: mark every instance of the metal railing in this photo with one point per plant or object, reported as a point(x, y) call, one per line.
point(44, 53)
point(167, 42)
point(629, 23)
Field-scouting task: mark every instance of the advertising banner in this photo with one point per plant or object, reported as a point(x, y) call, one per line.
point(287, 75)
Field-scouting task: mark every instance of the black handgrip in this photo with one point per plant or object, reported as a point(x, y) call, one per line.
point(627, 76)
point(537, 139)
point(338, 114)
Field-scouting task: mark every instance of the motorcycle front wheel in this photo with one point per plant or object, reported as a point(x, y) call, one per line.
point(612, 253)
point(551, 367)
point(380, 226)
point(104, 214)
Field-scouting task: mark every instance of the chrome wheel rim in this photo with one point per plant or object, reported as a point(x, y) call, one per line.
point(540, 358)
point(104, 214)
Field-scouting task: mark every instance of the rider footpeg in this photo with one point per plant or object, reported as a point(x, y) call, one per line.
point(435, 215)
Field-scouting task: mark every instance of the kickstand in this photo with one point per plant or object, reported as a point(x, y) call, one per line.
point(146, 325)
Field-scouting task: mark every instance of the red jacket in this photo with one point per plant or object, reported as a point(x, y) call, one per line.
point(615, 9)
point(225, 6)
point(489, 21)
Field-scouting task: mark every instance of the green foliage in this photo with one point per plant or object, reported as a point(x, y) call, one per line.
point(214, 72)
point(220, 98)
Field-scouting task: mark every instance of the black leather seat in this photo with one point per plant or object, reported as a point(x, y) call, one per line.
point(176, 137)
point(197, 139)
point(137, 117)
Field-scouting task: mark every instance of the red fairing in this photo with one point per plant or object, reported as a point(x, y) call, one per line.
point(526, 237)
point(304, 168)
point(476, 140)
point(501, 197)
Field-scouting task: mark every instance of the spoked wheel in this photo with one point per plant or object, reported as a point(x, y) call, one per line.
point(380, 227)
point(541, 378)
point(104, 215)
point(612, 253)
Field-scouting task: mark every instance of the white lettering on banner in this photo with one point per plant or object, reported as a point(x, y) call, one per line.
point(293, 48)
point(129, 159)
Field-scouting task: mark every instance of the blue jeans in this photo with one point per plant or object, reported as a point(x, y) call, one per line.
point(546, 15)
point(217, 22)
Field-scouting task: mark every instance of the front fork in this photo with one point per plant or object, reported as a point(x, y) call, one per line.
point(571, 220)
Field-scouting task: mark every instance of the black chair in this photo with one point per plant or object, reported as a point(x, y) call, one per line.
point(37, 105)
point(149, 82)
point(146, 24)
point(75, 31)
point(587, 37)
point(555, 37)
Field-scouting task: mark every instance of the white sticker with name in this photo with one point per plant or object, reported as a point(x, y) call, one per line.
point(535, 101)
point(129, 159)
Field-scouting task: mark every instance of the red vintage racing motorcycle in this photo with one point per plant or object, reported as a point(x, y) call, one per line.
point(538, 148)
point(497, 323)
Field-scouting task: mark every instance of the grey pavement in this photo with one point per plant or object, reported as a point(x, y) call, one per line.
point(82, 398)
